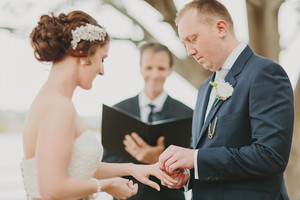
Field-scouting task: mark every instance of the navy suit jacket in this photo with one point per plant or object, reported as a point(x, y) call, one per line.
point(247, 156)
point(171, 109)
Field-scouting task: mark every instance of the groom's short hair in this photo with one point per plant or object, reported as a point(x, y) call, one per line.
point(207, 9)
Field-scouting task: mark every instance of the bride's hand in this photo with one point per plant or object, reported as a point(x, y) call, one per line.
point(121, 188)
point(181, 175)
point(143, 172)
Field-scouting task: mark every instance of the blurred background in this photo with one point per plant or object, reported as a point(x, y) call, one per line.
point(271, 27)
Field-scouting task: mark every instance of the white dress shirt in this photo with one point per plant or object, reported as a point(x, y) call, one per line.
point(144, 102)
point(220, 74)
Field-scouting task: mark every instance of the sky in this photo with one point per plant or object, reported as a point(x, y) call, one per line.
point(21, 76)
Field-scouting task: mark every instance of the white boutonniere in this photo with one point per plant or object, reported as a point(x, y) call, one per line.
point(223, 90)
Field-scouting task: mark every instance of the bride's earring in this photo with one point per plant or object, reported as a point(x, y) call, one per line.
point(82, 61)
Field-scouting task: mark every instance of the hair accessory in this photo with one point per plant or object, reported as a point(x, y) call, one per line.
point(94, 196)
point(88, 32)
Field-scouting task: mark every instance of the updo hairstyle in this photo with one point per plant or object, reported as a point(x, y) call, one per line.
point(51, 38)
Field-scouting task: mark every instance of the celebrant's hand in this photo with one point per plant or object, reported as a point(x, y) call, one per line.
point(141, 150)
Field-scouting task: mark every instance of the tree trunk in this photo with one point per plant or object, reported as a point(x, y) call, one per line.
point(263, 27)
point(293, 170)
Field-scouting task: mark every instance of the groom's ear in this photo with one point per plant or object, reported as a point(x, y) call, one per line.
point(222, 28)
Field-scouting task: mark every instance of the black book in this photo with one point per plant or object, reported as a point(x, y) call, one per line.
point(116, 123)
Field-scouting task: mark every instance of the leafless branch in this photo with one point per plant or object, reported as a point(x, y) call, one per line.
point(121, 9)
point(167, 9)
point(10, 29)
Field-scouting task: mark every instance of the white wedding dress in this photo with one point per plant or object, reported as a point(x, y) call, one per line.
point(87, 153)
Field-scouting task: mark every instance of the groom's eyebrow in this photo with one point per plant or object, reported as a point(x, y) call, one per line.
point(188, 38)
point(183, 41)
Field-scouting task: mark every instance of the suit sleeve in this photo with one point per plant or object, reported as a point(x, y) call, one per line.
point(271, 117)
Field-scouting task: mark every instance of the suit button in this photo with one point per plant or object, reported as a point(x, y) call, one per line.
point(217, 177)
point(207, 178)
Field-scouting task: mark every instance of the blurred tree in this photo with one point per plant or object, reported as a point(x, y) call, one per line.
point(263, 27)
point(292, 173)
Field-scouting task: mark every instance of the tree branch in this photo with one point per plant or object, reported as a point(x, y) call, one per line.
point(167, 8)
point(118, 7)
point(10, 29)
point(256, 3)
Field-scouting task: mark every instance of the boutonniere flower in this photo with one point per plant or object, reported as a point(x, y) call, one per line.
point(223, 90)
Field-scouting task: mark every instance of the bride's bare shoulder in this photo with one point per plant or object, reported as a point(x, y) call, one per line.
point(51, 104)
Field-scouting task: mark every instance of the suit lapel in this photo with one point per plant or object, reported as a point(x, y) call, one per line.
point(203, 105)
point(166, 111)
point(136, 106)
point(167, 105)
point(230, 78)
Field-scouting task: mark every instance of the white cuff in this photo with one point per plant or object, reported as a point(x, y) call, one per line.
point(196, 164)
point(186, 186)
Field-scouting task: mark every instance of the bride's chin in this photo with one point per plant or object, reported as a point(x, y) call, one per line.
point(86, 87)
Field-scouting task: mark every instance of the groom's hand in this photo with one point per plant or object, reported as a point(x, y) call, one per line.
point(175, 157)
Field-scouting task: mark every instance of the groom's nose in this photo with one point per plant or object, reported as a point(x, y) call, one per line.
point(191, 51)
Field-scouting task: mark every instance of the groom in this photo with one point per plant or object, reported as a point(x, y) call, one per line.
point(242, 127)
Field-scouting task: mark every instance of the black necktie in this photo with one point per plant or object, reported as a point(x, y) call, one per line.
point(151, 113)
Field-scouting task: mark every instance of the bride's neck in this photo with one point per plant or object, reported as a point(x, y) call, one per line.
point(63, 77)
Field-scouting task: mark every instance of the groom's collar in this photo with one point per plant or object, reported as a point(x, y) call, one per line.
point(233, 56)
point(241, 60)
point(229, 62)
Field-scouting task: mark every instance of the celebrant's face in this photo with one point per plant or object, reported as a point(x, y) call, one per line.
point(155, 68)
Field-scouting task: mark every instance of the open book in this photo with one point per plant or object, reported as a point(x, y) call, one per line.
point(117, 123)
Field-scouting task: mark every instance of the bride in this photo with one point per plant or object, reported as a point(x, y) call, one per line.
point(61, 158)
